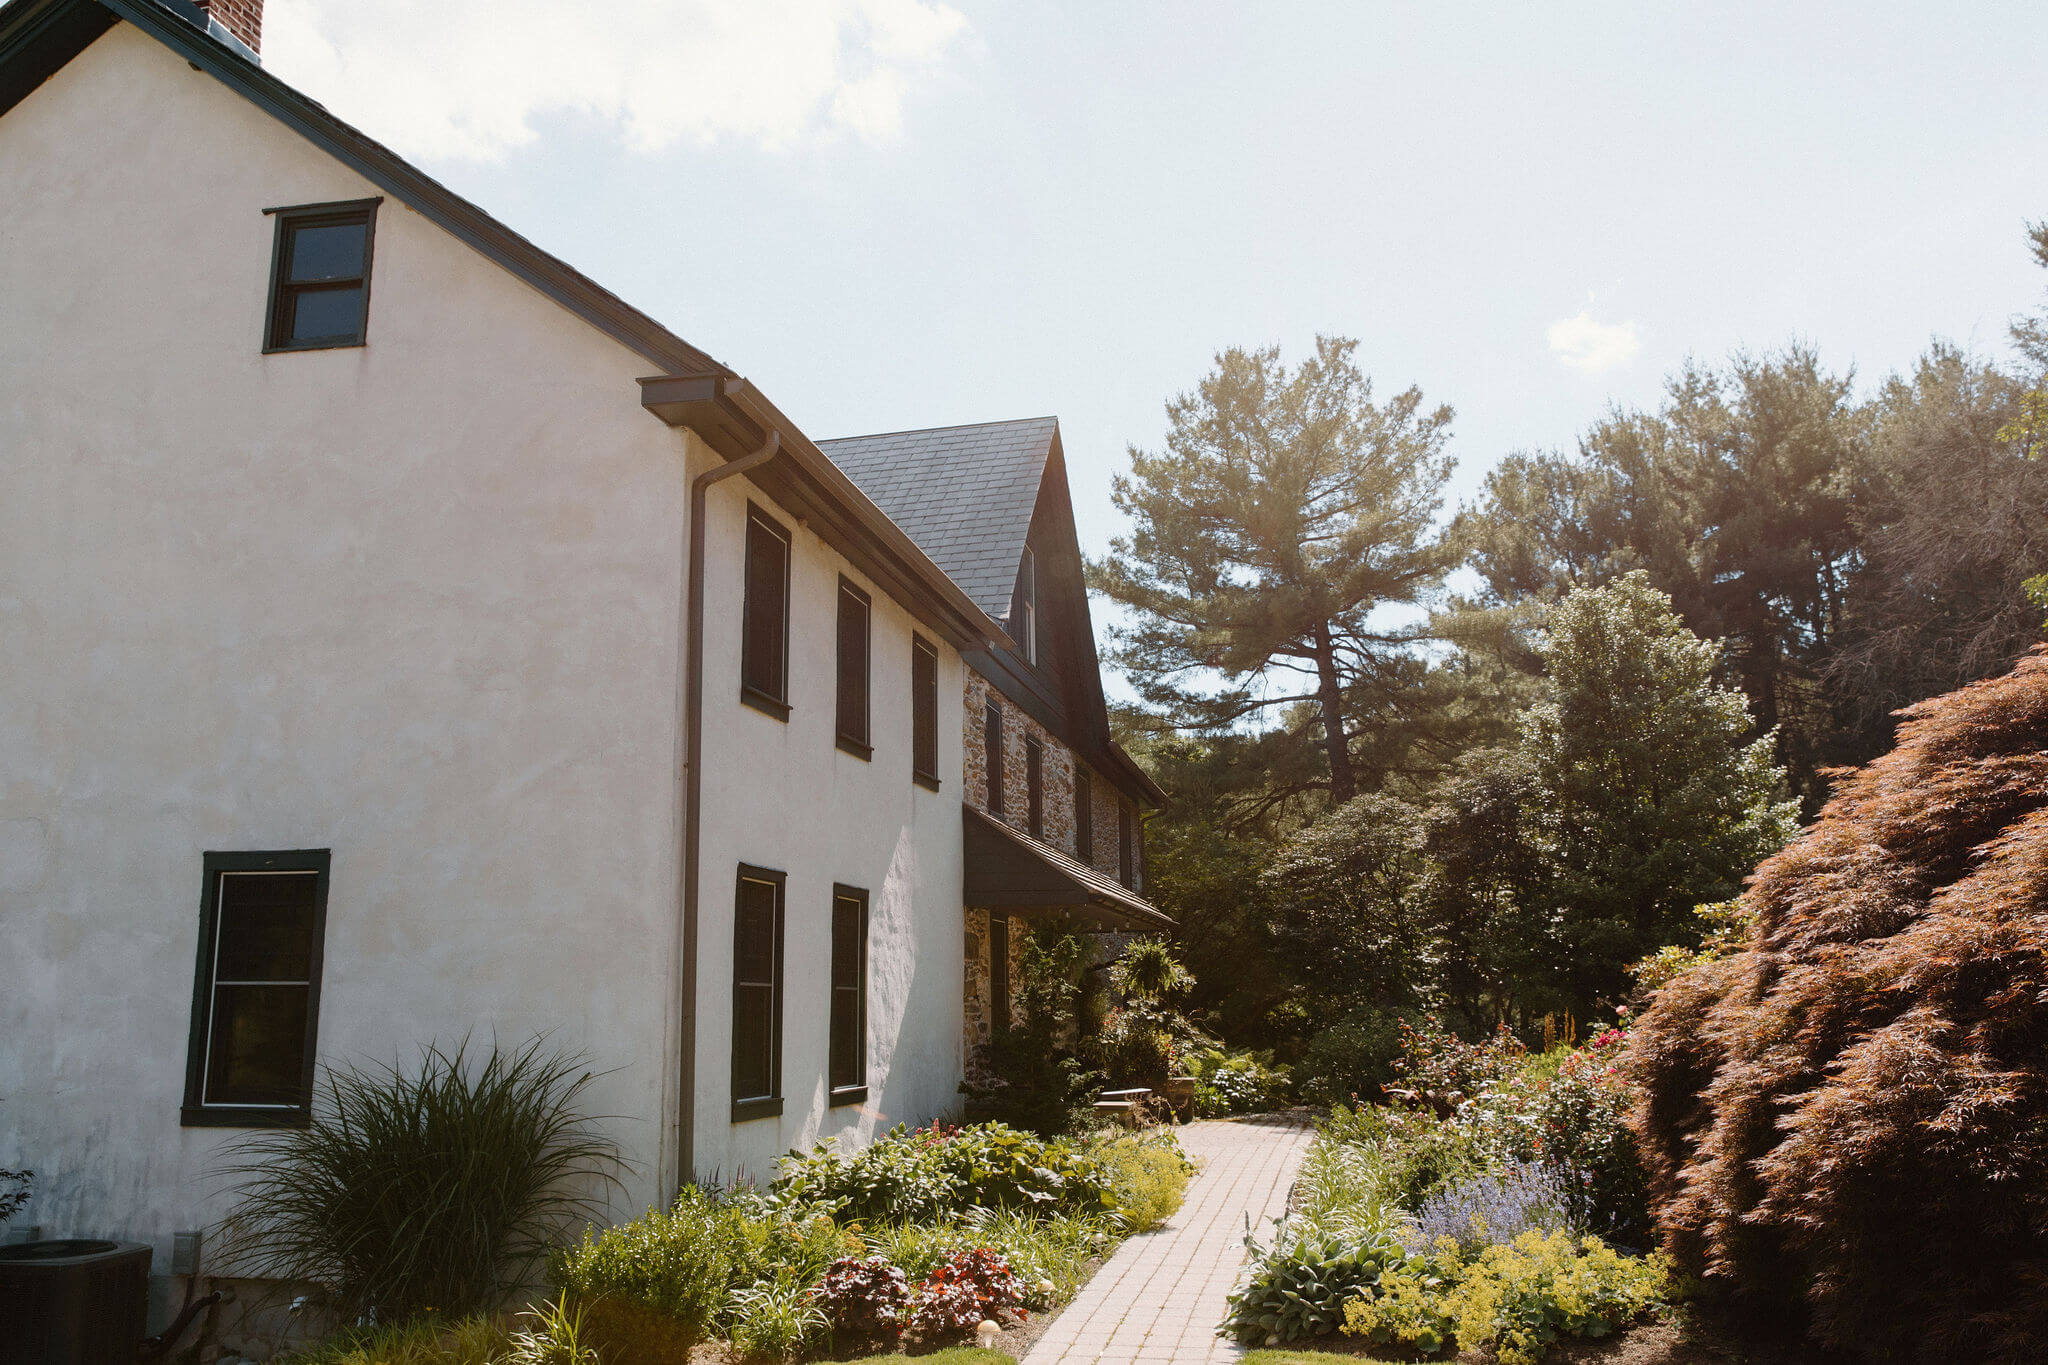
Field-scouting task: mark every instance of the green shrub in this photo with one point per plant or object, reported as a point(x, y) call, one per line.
point(1297, 1287)
point(933, 1172)
point(1236, 1082)
point(1517, 1299)
point(657, 1285)
point(1350, 1061)
point(439, 1188)
point(1148, 1178)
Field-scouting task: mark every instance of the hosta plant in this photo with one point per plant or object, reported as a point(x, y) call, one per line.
point(1296, 1287)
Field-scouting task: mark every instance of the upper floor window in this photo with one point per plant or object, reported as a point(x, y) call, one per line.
point(1034, 786)
point(320, 276)
point(1084, 815)
point(924, 711)
point(992, 739)
point(1126, 864)
point(1024, 611)
point(256, 994)
point(854, 613)
point(764, 630)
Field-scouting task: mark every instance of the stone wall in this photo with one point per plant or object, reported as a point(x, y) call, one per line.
point(1059, 773)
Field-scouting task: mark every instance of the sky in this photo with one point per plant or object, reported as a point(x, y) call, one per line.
point(892, 214)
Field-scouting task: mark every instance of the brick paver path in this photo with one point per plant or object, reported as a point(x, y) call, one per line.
point(1160, 1298)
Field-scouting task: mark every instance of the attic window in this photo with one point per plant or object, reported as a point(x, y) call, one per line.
point(320, 276)
point(1024, 611)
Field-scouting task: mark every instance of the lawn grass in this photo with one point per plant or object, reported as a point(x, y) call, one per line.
point(955, 1355)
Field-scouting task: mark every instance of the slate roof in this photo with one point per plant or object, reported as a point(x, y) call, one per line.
point(964, 494)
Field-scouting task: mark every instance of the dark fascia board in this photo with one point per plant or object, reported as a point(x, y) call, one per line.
point(734, 418)
point(37, 37)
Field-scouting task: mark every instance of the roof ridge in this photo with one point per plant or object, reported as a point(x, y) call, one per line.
point(951, 426)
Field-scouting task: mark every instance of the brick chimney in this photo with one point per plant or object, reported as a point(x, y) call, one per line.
point(242, 18)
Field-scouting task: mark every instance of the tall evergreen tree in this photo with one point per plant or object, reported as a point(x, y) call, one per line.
point(1286, 508)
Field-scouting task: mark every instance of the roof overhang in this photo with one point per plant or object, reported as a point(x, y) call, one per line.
point(1007, 869)
point(733, 418)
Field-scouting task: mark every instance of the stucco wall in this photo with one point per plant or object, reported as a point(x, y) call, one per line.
point(798, 803)
point(417, 602)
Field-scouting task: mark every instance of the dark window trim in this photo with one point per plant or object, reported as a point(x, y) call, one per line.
point(857, 1093)
point(858, 745)
point(1034, 787)
point(760, 1106)
point(928, 779)
point(194, 1113)
point(1026, 607)
point(758, 698)
point(1126, 858)
point(287, 219)
point(992, 746)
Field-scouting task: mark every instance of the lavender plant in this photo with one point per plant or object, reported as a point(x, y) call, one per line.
point(1496, 1207)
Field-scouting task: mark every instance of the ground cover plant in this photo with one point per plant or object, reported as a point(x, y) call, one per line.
point(1850, 1117)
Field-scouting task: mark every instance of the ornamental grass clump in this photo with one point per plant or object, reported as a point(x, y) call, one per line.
point(440, 1188)
point(1850, 1116)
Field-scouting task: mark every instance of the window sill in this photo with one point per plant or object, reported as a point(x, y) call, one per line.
point(326, 344)
point(849, 745)
point(851, 1094)
point(195, 1116)
point(925, 780)
point(745, 1110)
point(762, 702)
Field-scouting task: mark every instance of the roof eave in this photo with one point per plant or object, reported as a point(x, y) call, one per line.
point(733, 417)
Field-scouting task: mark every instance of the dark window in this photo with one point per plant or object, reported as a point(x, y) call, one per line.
point(1123, 844)
point(854, 611)
point(1024, 611)
point(757, 995)
point(1034, 786)
point(849, 1045)
point(764, 641)
point(256, 994)
point(924, 711)
point(1084, 814)
point(320, 276)
point(992, 737)
point(999, 972)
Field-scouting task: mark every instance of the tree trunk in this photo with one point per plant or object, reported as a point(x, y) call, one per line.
point(1330, 692)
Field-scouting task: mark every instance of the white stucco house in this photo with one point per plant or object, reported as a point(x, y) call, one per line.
point(407, 640)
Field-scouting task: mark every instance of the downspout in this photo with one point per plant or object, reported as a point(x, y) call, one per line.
point(693, 705)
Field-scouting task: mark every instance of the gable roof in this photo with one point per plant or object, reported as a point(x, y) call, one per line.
point(965, 494)
point(37, 37)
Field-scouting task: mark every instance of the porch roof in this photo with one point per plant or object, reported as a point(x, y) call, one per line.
point(1007, 869)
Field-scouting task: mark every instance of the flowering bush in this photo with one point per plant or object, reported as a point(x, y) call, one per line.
point(1438, 1071)
point(957, 1295)
point(1498, 1206)
point(866, 1300)
point(1582, 1134)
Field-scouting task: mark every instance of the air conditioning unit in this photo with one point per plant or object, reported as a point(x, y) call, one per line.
point(70, 1301)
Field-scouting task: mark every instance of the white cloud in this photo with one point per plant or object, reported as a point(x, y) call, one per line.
point(466, 78)
point(1592, 347)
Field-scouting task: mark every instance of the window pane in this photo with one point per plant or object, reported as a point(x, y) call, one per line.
point(321, 313)
point(1034, 786)
point(753, 1022)
point(845, 942)
point(992, 736)
point(1084, 815)
point(847, 1043)
point(257, 1051)
point(767, 585)
point(754, 937)
point(999, 970)
point(328, 253)
point(924, 714)
point(266, 926)
point(853, 666)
